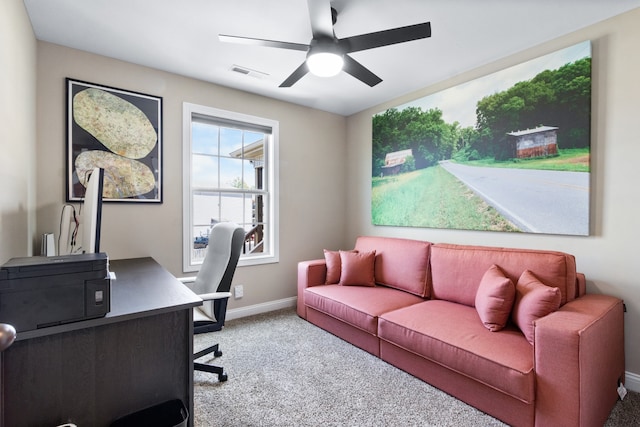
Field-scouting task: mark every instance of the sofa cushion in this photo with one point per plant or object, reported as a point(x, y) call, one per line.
point(533, 300)
point(494, 299)
point(357, 305)
point(456, 270)
point(453, 336)
point(400, 263)
point(357, 268)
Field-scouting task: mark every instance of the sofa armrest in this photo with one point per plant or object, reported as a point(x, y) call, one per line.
point(579, 360)
point(310, 273)
point(581, 285)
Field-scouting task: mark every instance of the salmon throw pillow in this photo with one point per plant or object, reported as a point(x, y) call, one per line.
point(334, 266)
point(332, 259)
point(494, 299)
point(533, 300)
point(357, 268)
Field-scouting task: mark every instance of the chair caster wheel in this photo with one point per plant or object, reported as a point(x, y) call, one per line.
point(222, 378)
point(217, 353)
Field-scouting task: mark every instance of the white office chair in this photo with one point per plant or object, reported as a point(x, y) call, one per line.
point(212, 284)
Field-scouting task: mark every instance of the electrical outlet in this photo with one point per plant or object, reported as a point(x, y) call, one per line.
point(238, 291)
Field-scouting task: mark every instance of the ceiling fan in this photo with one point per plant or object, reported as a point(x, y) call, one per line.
point(327, 55)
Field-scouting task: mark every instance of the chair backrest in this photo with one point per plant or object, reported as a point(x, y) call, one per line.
point(219, 264)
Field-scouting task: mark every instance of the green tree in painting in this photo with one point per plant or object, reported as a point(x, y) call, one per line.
point(429, 137)
point(559, 98)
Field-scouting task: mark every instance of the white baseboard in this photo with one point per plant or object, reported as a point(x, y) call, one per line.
point(632, 381)
point(237, 313)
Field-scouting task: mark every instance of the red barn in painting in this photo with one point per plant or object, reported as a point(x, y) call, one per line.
point(538, 142)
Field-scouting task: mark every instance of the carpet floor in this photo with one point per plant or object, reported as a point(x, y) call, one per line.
point(284, 371)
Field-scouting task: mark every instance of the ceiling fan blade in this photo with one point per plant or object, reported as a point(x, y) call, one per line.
point(263, 42)
point(386, 37)
point(321, 18)
point(299, 73)
point(359, 71)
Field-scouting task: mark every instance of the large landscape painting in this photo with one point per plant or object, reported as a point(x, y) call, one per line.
point(506, 152)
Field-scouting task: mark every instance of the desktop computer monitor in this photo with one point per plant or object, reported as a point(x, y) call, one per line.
point(81, 233)
point(92, 212)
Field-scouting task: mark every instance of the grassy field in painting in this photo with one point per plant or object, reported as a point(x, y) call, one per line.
point(431, 198)
point(574, 160)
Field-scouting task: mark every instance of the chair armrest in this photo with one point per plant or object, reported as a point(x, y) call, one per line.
point(310, 273)
point(208, 296)
point(214, 296)
point(579, 360)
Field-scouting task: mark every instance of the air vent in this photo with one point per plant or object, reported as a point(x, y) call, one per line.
point(240, 70)
point(248, 72)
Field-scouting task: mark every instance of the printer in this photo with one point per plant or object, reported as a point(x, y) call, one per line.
point(37, 292)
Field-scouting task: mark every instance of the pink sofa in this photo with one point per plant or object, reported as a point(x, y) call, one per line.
point(421, 316)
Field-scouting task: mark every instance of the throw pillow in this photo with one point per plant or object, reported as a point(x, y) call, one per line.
point(357, 268)
point(332, 259)
point(334, 266)
point(533, 300)
point(494, 298)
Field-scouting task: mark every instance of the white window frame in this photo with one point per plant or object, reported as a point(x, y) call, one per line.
point(271, 254)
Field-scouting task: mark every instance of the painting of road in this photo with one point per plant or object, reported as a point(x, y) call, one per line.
point(507, 152)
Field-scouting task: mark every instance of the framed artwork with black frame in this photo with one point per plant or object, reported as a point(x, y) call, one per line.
point(119, 131)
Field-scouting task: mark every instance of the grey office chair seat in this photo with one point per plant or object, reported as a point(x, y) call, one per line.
point(212, 284)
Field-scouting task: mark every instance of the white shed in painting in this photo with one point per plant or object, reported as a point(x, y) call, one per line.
point(538, 142)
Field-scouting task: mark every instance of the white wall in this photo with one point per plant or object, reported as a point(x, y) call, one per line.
point(609, 257)
point(312, 169)
point(17, 131)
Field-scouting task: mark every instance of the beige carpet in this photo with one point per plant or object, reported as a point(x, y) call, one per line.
point(283, 371)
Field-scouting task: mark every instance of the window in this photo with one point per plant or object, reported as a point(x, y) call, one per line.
point(230, 174)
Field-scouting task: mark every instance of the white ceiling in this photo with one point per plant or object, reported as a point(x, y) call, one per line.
point(181, 37)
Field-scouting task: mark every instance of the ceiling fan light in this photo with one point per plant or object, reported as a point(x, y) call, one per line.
point(325, 64)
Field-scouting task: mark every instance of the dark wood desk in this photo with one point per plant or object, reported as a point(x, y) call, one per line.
point(93, 372)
